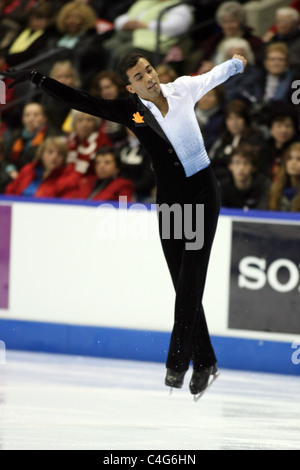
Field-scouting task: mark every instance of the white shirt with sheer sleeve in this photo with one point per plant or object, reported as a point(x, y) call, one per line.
point(180, 124)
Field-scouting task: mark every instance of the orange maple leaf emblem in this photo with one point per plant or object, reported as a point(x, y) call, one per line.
point(138, 118)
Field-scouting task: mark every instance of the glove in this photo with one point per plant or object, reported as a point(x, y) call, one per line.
point(18, 76)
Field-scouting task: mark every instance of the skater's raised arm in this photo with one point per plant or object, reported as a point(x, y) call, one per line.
point(201, 84)
point(76, 99)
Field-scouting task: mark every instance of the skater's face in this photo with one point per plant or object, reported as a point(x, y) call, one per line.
point(143, 80)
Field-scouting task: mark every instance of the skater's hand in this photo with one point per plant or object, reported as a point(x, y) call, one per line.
point(242, 58)
point(18, 76)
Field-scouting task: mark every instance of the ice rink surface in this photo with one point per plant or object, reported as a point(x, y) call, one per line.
point(56, 402)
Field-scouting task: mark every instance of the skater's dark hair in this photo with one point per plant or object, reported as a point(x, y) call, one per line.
point(127, 62)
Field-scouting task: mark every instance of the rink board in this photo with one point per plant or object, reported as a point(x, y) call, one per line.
point(90, 279)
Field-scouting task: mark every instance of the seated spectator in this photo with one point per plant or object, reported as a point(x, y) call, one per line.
point(284, 130)
point(245, 188)
point(39, 36)
point(108, 86)
point(137, 29)
point(243, 85)
point(276, 79)
point(136, 166)
point(77, 24)
point(59, 114)
point(23, 144)
point(288, 32)
point(48, 175)
point(8, 32)
point(231, 17)
point(14, 16)
point(84, 142)
point(285, 192)
point(210, 114)
point(105, 184)
point(238, 129)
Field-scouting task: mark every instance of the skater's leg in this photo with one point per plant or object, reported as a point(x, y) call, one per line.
point(190, 338)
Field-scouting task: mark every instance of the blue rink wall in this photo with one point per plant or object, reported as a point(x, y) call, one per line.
point(91, 280)
point(232, 353)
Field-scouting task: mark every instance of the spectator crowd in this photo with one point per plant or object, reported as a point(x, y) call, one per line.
point(250, 124)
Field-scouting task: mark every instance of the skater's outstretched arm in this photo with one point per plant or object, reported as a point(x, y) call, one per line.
point(76, 99)
point(201, 84)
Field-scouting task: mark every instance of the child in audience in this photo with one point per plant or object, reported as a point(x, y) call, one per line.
point(245, 188)
point(238, 129)
point(105, 184)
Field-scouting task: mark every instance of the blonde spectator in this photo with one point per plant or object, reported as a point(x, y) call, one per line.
point(77, 25)
point(276, 80)
point(285, 192)
point(84, 142)
point(47, 175)
point(74, 19)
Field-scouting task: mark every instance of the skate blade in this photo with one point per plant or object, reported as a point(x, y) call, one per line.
point(197, 397)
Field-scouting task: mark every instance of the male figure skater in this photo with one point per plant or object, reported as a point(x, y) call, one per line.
point(163, 119)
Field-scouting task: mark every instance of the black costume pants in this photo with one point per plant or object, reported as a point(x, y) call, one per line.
point(190, 338)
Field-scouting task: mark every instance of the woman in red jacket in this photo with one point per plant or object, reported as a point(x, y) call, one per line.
point(47, 176)
point(105, 184)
